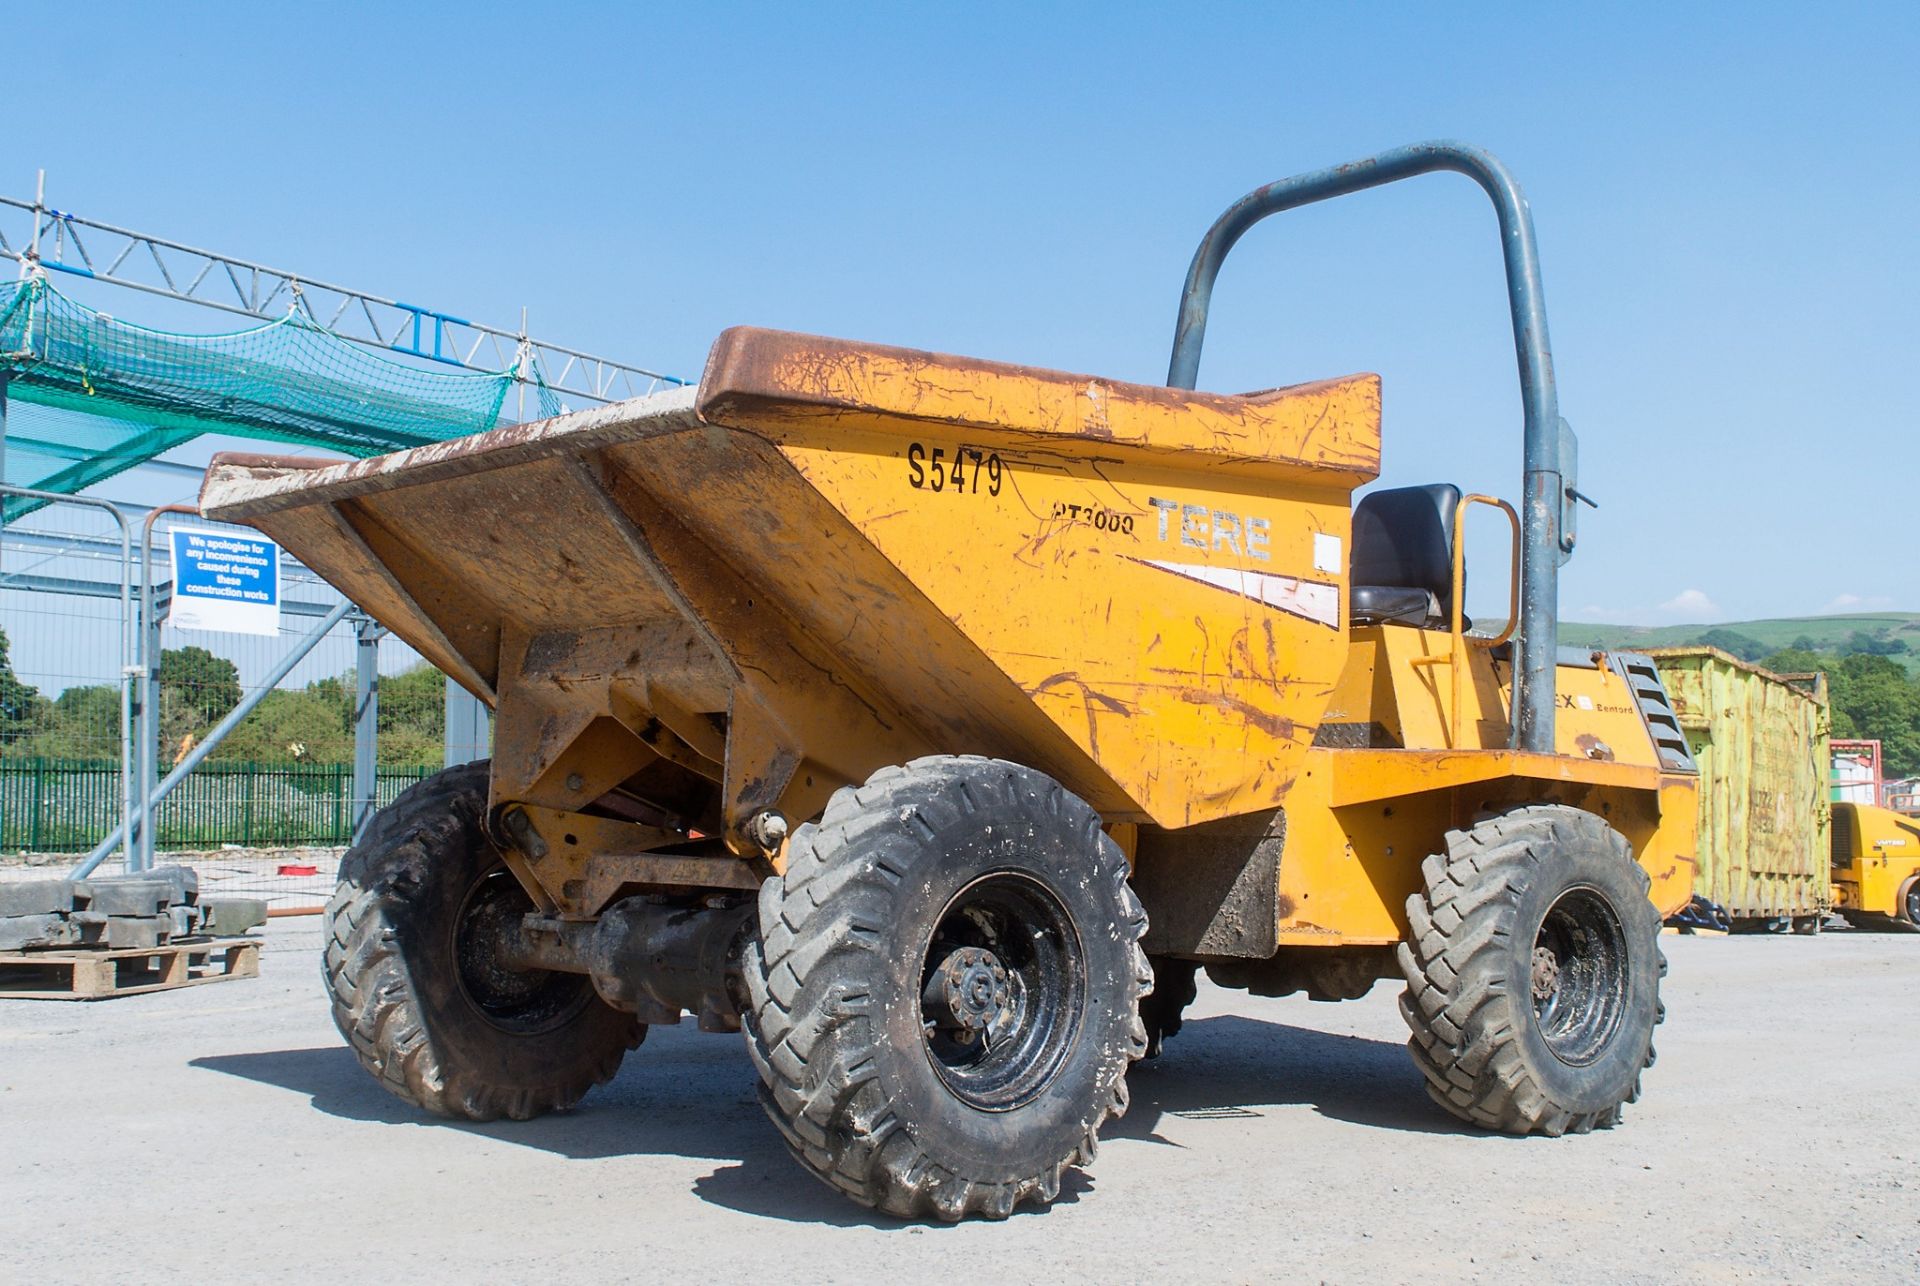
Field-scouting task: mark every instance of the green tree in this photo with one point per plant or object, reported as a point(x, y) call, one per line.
point(1798, 660)
point(314, 724)
point(297, 726)
point(22, 708)
point(1744, 646)
point(81, 723)
point(413, 718)
point(1871, 697)
point(1864, 644)
point(1881, 701)
point(194, 690)
point(194, 683)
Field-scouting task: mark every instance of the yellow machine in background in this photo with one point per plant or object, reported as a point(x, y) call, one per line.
point(1876, 867)
point(937, 719)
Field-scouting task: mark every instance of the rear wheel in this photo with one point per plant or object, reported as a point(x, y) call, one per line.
point(1533, 972)
point(945, 989)
point(1175, 986)
point(413, 966)
point(1910, 903)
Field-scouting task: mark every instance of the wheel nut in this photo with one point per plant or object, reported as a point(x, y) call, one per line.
point(1546, 973)
point(968, 993)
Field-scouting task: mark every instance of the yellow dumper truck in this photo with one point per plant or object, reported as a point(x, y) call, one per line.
point(1876, 867)
point(921, 715)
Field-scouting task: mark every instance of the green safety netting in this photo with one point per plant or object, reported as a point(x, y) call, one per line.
point(107, 394)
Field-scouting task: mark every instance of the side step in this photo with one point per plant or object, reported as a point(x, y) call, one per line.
point(99, 975)
point(1656, 709)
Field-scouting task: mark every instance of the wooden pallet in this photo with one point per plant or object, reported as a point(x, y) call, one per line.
point(96, 974)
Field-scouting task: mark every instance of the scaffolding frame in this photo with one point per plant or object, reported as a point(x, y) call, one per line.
point(61, 241)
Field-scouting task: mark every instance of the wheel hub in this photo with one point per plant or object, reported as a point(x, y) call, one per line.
point(511, 997)
point(1003, 985)
point(1578, 972)
point(968, 993)
point(1546, 973)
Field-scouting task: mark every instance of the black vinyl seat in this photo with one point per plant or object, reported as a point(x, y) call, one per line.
point(1373, 604)
point(1403, 556)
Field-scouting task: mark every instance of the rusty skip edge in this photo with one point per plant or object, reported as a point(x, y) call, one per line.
point(747, 370)
point(748, 366)
point(1810, 686)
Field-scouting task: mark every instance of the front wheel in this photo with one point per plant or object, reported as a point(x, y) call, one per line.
point(1533, 972)
point(946, 989)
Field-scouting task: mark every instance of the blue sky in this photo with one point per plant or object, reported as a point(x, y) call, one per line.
point(1725, 199)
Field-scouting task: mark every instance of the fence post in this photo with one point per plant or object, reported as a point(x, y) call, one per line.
point(367, 634)
point(147, 733)
point(39, 795)
point(6, 377)
point(150, 656)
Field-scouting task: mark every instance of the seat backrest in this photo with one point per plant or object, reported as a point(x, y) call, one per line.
point(1403, 538)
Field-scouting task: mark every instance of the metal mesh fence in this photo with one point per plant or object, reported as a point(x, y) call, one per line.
point(60, 612)
point(280, 782)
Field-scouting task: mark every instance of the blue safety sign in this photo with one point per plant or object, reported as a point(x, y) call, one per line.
point(225, 581)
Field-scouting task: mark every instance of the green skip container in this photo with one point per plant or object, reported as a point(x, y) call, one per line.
point(1760, 739)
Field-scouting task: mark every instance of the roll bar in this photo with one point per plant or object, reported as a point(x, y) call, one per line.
point(1547, 493)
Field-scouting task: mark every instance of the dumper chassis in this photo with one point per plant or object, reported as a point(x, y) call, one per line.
point(1876, 867)
point(936, 721)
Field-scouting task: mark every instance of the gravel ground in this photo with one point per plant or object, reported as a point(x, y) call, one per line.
point(224, 1132)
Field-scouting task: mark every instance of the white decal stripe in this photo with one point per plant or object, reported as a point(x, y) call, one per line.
point(1312, 600)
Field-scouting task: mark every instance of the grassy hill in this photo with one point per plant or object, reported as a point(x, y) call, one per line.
point(1826, 633)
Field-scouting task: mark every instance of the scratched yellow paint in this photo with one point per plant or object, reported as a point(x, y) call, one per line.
point(1164, 574)
point(1397, 676)
point(776, 383)
point(1360, 822)
point(1197, 699)
point(1165, 579)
